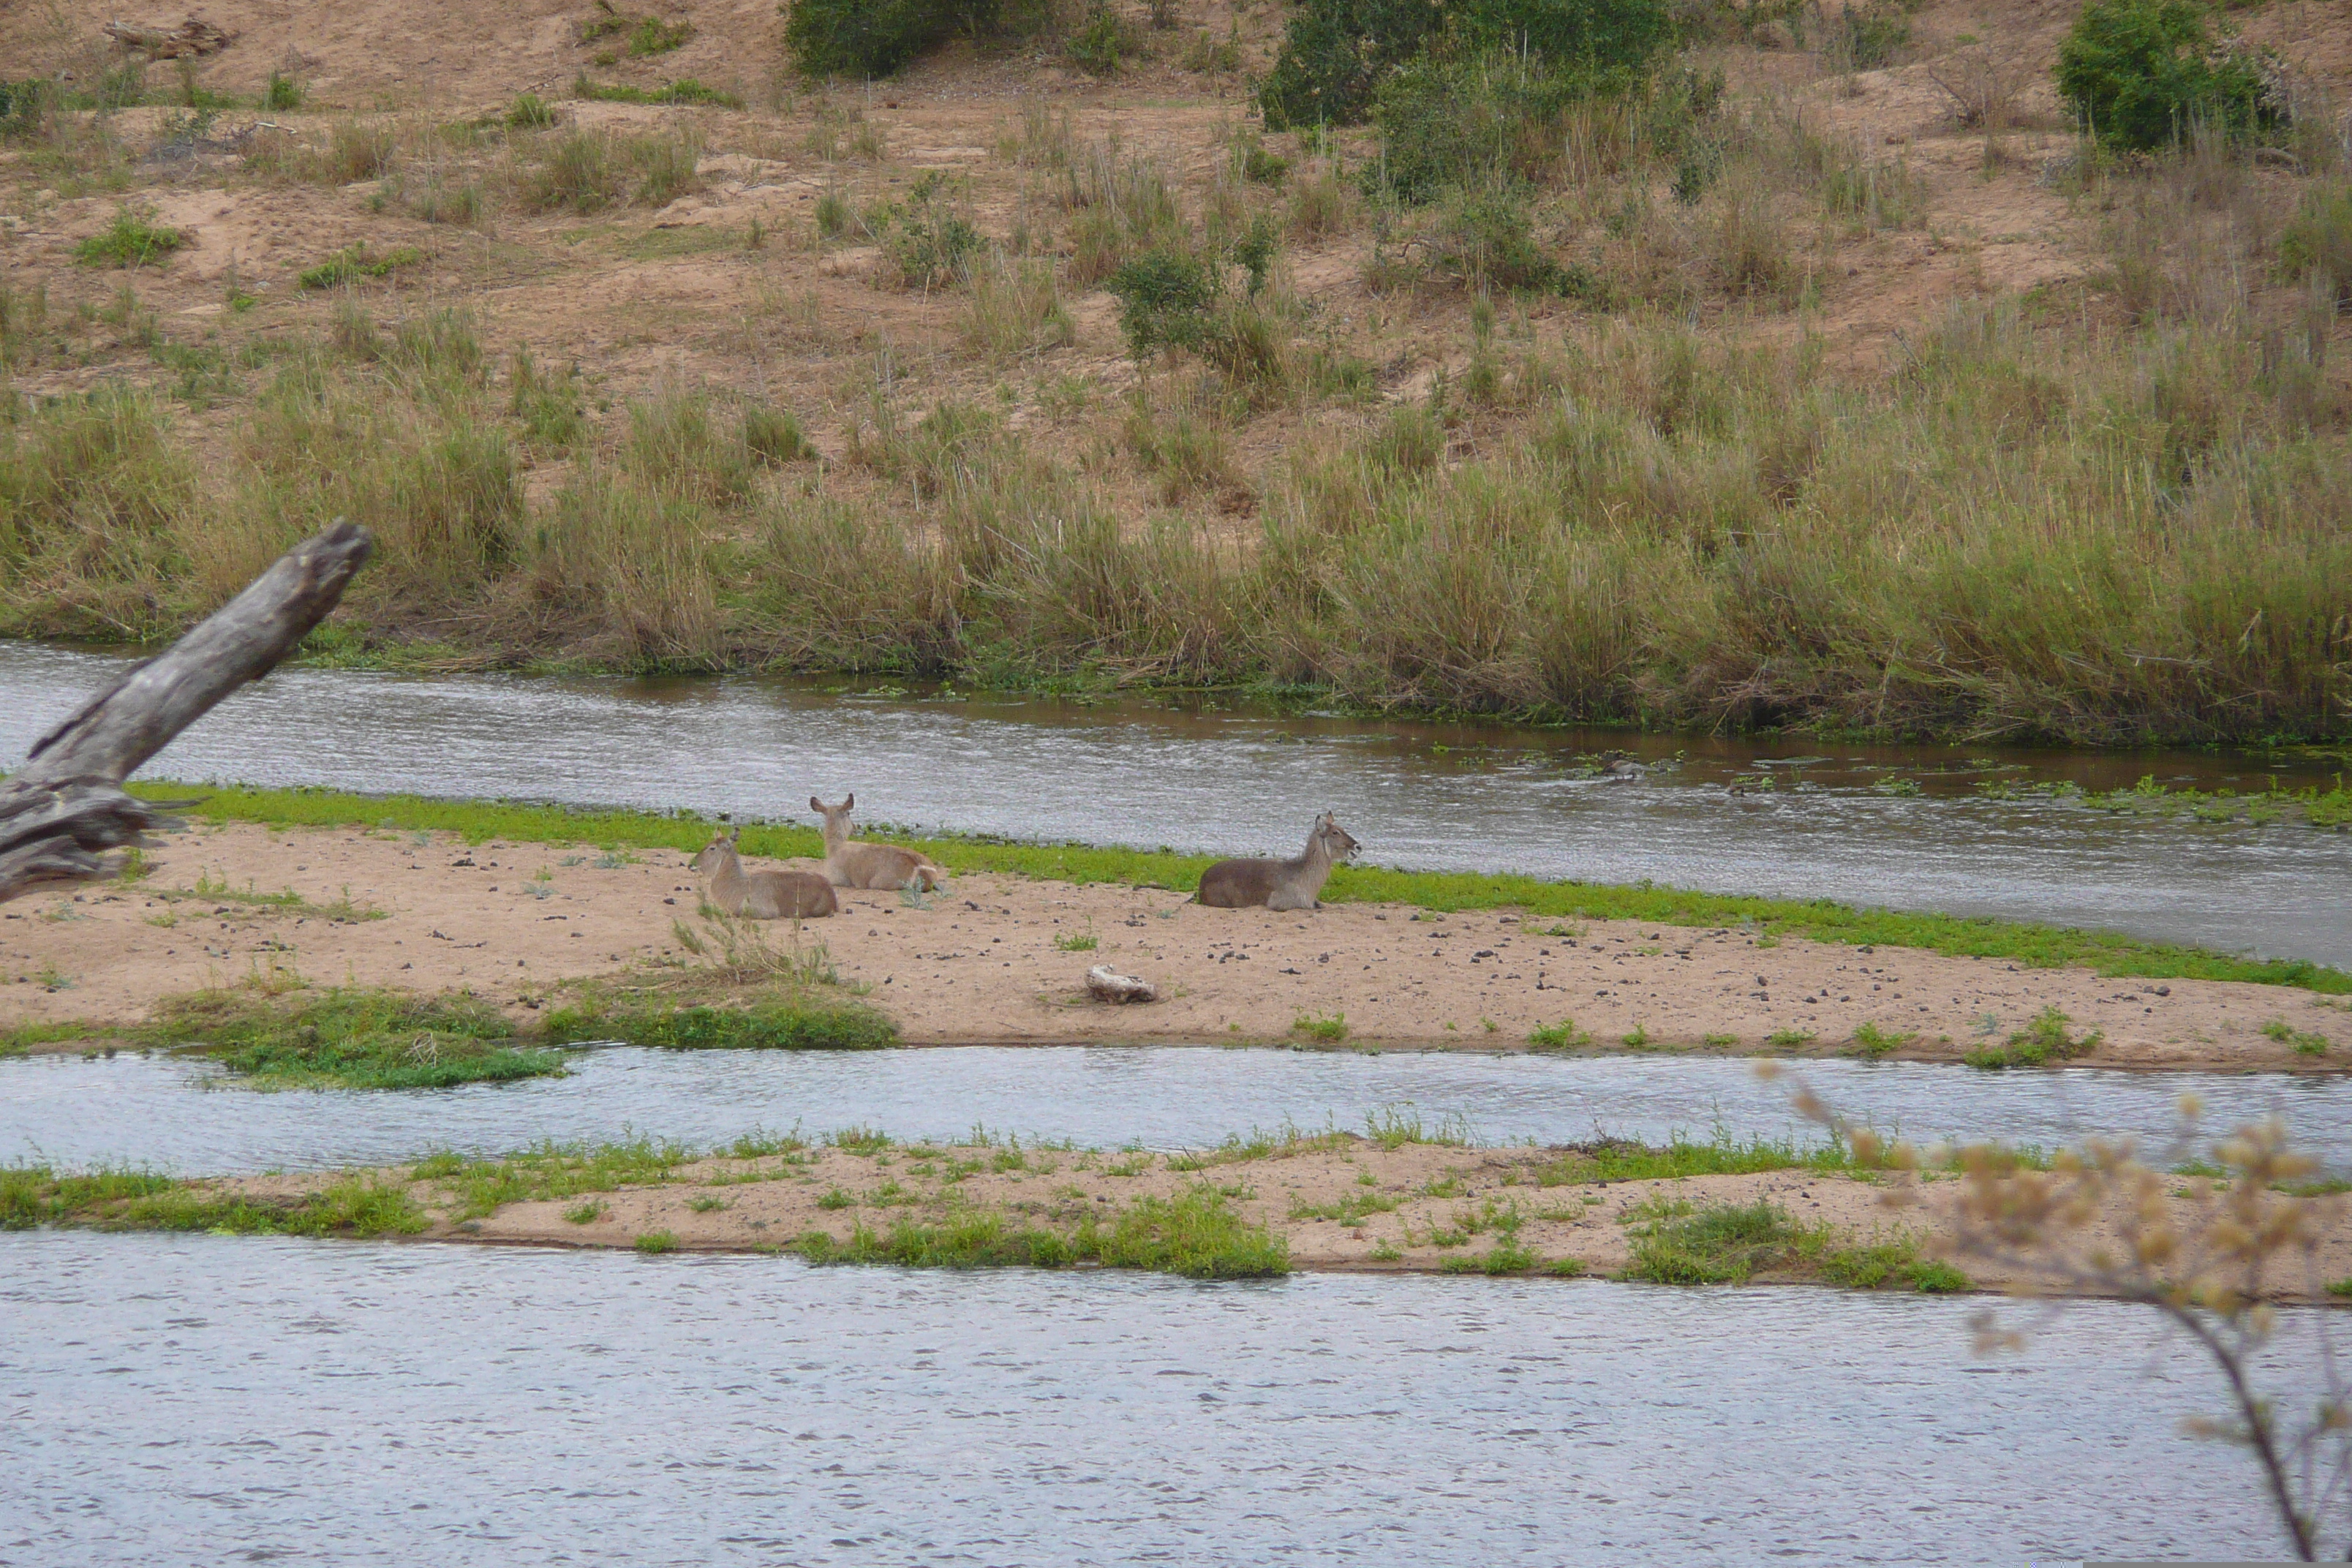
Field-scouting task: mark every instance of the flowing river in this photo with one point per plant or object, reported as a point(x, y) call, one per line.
point(174, 1399)
point(1459, 797)
point(138, 1110)
point(209, 1399)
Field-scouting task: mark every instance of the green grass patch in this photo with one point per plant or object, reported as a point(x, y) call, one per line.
point(1622, 1160)
point(2030, 943)
point(353, 263)
point(15, 1040)
point(1563, 1036)
point(551, 1172)
point(2305, 1041)
point(1196, 1234)
point(2038, 1044)
point(655, 1242)
point(1330, 1028)
point(131, 241)
point(360, 1204)
point(1729, 1244)
point(357, 1038)
point(1872, 1042)
point(685, 91)
point(772, 1024)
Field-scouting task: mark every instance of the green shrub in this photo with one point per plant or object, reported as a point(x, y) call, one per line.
point(1335, 54)
point(774, 435)
point(1165, 298)
point(2318, 241)
point(2038, 1044)
point(1867, 38)
point(930, 245)
point(23, 105)
point(529, 112)
point(1103, 41)
point(1446, 122)
point(2141, 72)
point(282, 94)
point(1485, 239)
point(1260, 167)
point(867, 38)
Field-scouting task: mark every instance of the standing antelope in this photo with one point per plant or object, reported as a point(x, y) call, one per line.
point(851, 864)
point(1279, 884)
point(761, 895)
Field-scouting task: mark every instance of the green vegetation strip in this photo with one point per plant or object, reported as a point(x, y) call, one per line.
point(358, 1204)
point(2035, 945)
point(365, 1038)
point(1195, 1233)
point(1731, 1244)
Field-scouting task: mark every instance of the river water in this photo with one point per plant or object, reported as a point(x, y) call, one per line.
point(1420, 795)
point(202, 1399)
point(153, 1111)
point(205, 1400)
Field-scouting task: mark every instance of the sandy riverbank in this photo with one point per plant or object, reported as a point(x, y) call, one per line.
point(1000, 960)
point(1337, 1203)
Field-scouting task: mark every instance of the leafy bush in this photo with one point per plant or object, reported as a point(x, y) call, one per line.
point(1103, 42)
point(2139, 72)
point(282, 94)
point(2319, 239)
point(1165, 298)
point(929, 244)
point(23, 105)
point(531, 112)
point(874, 37)
point(1485, 239)
point(1337, 53)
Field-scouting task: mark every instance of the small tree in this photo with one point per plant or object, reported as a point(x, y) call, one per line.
point(2140, 72)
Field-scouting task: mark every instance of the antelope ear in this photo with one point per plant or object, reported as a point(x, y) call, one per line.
point(734, 834)
point(816, 805)
point(850, 802)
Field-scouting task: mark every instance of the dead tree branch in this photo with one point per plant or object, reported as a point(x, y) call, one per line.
point(66, 807)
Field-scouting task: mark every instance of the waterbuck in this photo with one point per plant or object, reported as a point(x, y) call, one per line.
point(1290, 884)
point(761, 895)
point(851, 864)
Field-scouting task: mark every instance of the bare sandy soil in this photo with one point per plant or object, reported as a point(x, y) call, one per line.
point(998, 959)
point(1339, 1202)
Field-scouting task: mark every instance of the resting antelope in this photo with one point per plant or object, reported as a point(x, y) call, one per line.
point(1290, 884)
point(851, 864)
point(761, 895)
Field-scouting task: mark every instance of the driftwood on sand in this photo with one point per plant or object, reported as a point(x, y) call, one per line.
point(189, 40)
point(66, 807)
point(1108, 985)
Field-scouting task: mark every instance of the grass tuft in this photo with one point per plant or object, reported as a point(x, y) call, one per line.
point(131, 241)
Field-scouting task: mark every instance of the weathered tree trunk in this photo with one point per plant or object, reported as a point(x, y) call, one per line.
point(66, 807)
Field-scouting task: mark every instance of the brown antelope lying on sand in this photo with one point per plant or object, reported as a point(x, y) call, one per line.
point(851, 864)
point(1279, 884)
point(761, 895)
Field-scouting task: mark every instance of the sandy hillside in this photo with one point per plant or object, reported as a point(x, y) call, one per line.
point(680, 295)
point(997, 959)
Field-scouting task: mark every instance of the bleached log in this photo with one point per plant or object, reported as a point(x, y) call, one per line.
point(66, 807)
point(1107, 985)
